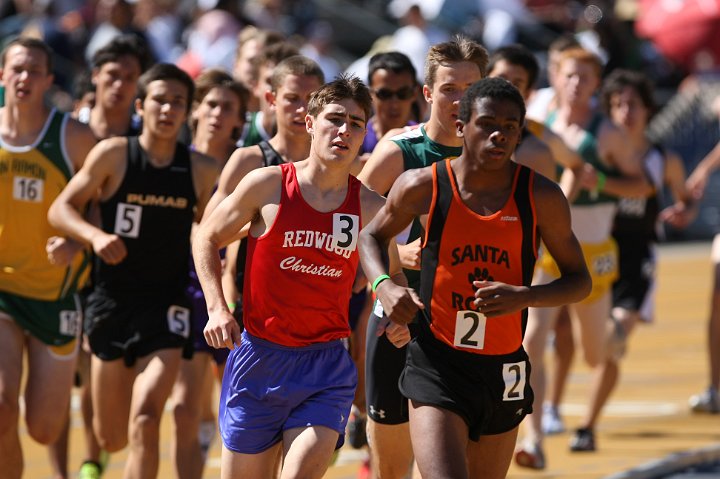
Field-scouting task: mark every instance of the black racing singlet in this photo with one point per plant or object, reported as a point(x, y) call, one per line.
point(152, 211)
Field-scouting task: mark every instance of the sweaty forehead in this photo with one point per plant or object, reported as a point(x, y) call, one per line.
point(174, 87)
point(497, 107)
point(23, 54)
point(343, 107)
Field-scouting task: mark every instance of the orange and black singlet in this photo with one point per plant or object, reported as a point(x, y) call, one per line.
point(462, 246)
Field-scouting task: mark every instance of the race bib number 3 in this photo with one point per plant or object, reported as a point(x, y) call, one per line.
point(470, 329)
point(515, 377)
point(28, 189)
point(345, 230)
point(127, 220)
point(178, 319)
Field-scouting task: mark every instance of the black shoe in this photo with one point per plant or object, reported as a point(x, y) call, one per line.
point(583, 440)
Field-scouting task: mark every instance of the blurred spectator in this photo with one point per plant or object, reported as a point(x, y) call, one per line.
point(417, 35)
point(360, 67)
point(211, 43)
point(162, 26)
point(688, 32)
point(112, 18)
point(318, 46)
point(270, 15)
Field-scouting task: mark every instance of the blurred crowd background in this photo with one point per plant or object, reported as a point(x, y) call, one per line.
point(676, 42)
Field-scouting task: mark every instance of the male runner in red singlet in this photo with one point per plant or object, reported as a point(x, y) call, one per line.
point(466, 373)
point(290, 382)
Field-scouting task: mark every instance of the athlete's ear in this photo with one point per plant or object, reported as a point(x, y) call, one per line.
point(459, 127)
point(270, 98)
point(309, 120)
point(138, 106)
point(427, 93)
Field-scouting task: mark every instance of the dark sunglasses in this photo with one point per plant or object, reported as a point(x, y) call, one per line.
point(404, 93)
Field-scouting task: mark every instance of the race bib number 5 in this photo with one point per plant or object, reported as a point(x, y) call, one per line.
point(127, 220)
point(470, 329)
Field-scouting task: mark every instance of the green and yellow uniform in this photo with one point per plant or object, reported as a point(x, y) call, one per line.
point(35, 293)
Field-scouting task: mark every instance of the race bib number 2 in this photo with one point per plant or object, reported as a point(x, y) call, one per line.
point(470, 329)
point(515, 378)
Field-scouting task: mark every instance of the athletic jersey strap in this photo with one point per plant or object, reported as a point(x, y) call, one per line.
point(271, 157)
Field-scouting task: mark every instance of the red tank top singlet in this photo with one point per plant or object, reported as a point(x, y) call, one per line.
point(299, 274)
point(462, 246)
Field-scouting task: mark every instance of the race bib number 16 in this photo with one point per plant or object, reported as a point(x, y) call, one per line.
point(28, 189)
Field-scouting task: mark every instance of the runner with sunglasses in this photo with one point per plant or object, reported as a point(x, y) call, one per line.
point(393, 87)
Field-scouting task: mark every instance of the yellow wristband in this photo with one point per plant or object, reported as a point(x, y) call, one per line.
point(231, 306)
point(379, 280)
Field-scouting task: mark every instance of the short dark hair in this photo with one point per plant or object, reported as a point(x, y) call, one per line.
point(82, 85)
point(122, 45)
point(218, 78)
point(276, 52)
point(395, 62)
point(295, 65)
point(30, 42)
point(342, 87)
point(166, 71)
point(619, 79)
point(495, 88)
point(517, 55)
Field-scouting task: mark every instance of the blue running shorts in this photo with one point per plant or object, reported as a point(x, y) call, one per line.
point(268, 388)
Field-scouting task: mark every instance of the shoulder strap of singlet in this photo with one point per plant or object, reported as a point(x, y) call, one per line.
point(182, 154)
point(595, 123)
point(270, 156)
point(134, 156)
point(442, 198)
point(525, 205)
point(440, 206)
point(526, 208)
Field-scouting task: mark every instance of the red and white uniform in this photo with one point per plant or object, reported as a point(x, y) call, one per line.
point(299, 274)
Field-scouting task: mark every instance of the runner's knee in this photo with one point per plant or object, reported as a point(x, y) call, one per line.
point(145, 428)
point(9, 413)
point(186, 419)
point(112, 441)
point(44, 430)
